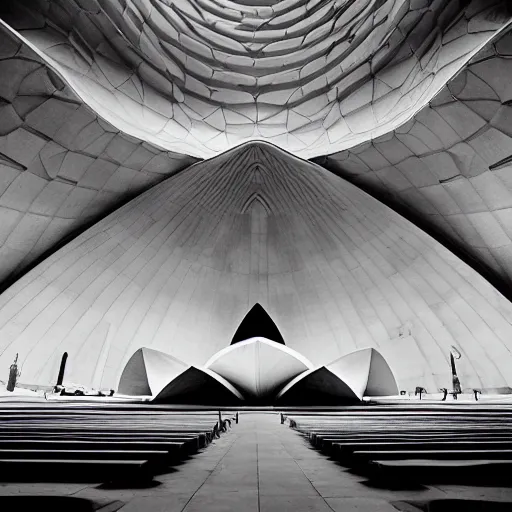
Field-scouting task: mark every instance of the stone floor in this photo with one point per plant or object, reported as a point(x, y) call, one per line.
point(260, 466)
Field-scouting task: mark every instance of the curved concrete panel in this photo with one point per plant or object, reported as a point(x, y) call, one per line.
point(177, 268)
point(366, 372)
point(168, 380)
point(346, 380)
point(450, 166)
point(199, 386)
point(61, 165)
point(71, 66)
point(200, 77)
point(258, 366)
point(319, 386)
point(148, 372)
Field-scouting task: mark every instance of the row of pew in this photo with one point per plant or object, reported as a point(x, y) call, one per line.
point(425, 443)
point(99, 442)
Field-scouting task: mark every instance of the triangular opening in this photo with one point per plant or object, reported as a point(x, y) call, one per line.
point(257, 323)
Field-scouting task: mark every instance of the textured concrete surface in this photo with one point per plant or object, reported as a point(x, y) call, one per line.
point(86, 85)
point(179, 267)
point(61, 166)
point(260, 466)
point(311, 76)
point(450, 164)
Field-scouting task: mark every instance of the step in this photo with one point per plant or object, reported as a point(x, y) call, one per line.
point(50, 470)
point(433, 454)
point(341, 447)
point(176, 450)
point(106, 455)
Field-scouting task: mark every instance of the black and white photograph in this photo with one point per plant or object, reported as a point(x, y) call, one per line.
point(256, 255)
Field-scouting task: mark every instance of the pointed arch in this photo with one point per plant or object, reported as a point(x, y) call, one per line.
point(256, 197)
point(257, 323)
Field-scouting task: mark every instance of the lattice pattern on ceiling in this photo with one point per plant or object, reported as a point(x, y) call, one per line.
point(61, 166)
point(311, 76)
point(452, 163)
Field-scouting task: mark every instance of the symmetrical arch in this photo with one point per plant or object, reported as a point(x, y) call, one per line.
point(257, 323)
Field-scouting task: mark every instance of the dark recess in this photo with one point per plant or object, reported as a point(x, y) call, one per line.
point(257, 323)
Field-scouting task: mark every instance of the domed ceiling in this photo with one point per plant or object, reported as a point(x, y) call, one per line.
point(178, 268)
point(106, 102)
point(201, 76)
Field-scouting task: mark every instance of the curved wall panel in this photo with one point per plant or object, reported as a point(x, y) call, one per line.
point(366, 372)
point(450, 166)
point(178, 268)
point(317, 387)
point(344, 381)
point(199, 386)
point(201, 76)
point(61, 166)
point(258, 366)
point(148, 371)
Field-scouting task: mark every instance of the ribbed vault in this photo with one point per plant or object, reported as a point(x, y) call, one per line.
point(177, 268)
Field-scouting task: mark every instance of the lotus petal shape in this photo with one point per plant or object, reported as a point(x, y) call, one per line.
point(366, 372)
point(258, 366)
point(319, 386)
point(199, 386)
point(345, 380)
point(153, 373)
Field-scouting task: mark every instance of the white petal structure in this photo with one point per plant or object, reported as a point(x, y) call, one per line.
point(154, 373)
point(178, 268)
point(258, 366)
point(366, 372)
point(317, 387)
point(199, 386)
point(349, 378)
point(148, 371)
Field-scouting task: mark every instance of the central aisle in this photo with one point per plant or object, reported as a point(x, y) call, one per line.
point(263, 466)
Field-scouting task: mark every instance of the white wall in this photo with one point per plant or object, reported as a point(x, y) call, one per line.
point(178, 268)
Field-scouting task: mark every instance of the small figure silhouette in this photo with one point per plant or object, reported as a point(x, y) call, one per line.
point(419, 391)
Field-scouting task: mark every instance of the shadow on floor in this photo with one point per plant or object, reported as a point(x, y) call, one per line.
point(453, 506)
point(53, 503)
point(129, 485)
